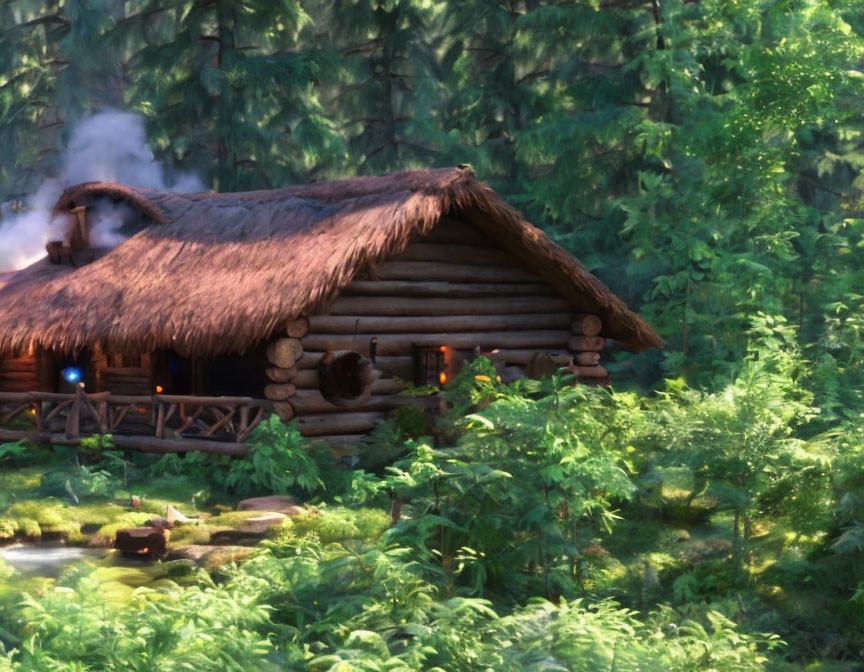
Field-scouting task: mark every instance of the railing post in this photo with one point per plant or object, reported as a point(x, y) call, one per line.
point(160, 419)
point(73, 421)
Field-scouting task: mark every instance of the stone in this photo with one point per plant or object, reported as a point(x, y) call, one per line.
point(239, 537)
point(174, 517)
point(210, 557)
point(149, 541)
point(261, 524)
point(281, 503)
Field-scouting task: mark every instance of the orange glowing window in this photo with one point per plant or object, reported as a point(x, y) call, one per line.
point(159, 389)
point(430, 365)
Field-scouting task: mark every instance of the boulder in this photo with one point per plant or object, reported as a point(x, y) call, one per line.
point(174, 517)
point(239, 537)
point(149, 541)
point(212, 558)
point(263, 522)
point(278, 503)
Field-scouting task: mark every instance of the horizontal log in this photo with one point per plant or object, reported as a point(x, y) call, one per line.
point(34, 395)
point(587, 343)
point(476, 255)
point(17, 360)
point(344, 445)
point(394, 366)
point(586, 358)
point(401, 306)
point(284, 352)
point(443, 289)
point(307, 402)
point(394, 345)
point(144, 444)
point(279, 391)
point(523, 357)
point(18, 386)
point(147, 444)
point(204, 401)
point(586, 325)
point(307, 379)
point(17, 375)
point(370, 324)
point(125, 380)
point(589, 371)
point(449, 230)
point(131, 371)
point(338, 423)
point(278, 375)
point(15, 367)
point(297, 328)
point(433, 270)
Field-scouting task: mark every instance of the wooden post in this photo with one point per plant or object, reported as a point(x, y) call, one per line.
point(73, 420)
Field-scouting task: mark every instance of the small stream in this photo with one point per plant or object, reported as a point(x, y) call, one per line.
point(48, 561)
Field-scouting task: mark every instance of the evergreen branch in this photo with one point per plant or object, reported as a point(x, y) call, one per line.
point(47, 19)
point(813, 183)
point(134, 18)
point(363, 47)
point(534, 74)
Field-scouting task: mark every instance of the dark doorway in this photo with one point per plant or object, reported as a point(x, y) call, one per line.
point(238, 375)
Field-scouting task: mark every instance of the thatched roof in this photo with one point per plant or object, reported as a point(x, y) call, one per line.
point(219, 272)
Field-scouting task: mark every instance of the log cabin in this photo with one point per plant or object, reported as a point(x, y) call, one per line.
point(320, 303)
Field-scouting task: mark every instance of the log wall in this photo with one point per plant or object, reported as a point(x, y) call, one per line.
point(19, 374)
point(454, 287)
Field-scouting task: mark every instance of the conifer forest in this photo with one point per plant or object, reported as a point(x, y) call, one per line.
point(704, 159)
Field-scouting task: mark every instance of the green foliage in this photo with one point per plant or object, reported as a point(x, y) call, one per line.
point(533, 476)
point(278, 463)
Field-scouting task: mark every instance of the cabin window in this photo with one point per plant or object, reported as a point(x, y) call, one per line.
point(346, 377)
point(430, 365)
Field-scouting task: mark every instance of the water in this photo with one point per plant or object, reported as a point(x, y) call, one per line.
point(48, 561)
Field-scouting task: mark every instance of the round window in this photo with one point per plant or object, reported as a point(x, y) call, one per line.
point(346, 377)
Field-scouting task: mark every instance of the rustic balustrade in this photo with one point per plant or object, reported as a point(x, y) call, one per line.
point(201, 419)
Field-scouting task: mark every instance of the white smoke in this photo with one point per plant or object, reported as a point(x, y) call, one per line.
point(110, 146)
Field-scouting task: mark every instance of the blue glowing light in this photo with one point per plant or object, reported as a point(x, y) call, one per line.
point(72, 374)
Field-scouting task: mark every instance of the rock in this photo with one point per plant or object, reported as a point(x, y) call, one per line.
point(208, 556)
point(149, 541)
point(193, 552)
point(281, 503)
point(236, 537)
point(174, 517)
point(160, 522)
point(261, 524)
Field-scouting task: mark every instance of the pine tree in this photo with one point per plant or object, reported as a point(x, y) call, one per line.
point(229, 90)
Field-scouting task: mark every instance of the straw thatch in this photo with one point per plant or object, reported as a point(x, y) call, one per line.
point(217, 273)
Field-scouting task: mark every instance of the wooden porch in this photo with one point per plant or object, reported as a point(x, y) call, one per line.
point(158, 423)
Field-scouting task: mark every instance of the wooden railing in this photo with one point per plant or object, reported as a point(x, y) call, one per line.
point(180, 423)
